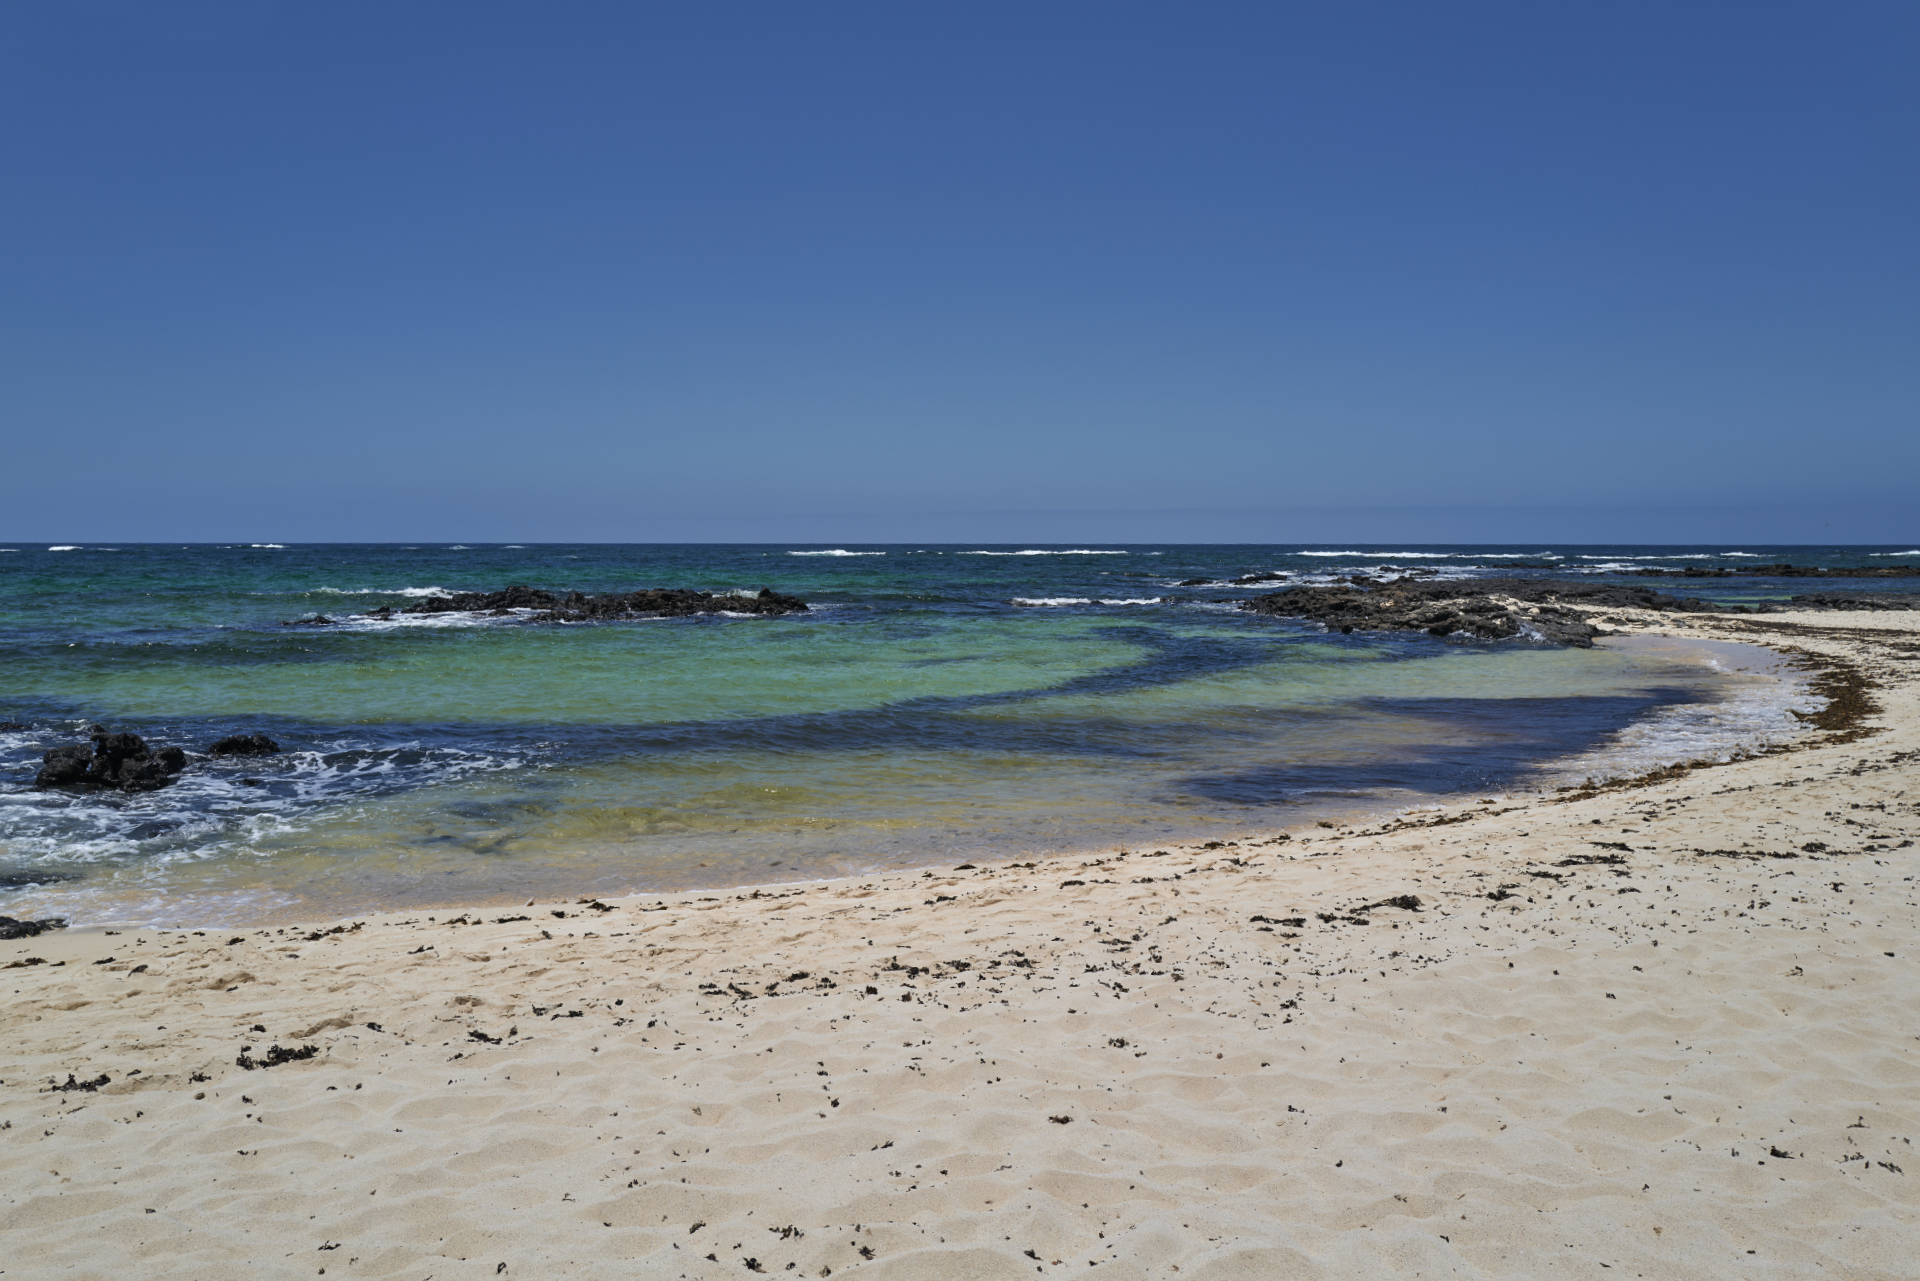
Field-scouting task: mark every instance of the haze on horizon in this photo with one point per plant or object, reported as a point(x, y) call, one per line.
point(1371, 272)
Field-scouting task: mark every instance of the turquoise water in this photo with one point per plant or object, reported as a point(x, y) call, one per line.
point(936, 703)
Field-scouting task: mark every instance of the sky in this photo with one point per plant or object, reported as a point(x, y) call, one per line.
point(1038, 272)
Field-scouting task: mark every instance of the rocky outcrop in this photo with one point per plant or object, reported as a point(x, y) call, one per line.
point(580, 607)
point(122, 762)
point(1855, 600)
point(244, 745)
point(1480, 609)
point(16, 928)
point(538, 605)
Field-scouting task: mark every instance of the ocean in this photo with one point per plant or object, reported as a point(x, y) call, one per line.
point(936, 704)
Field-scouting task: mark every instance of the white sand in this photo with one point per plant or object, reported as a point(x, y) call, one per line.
point(1688, 1065)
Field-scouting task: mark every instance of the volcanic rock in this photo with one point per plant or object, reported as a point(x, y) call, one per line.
point(579, 607)
point(14, 928)
point(1855, 600)
point(244, 745)
point(122, 762)
point(1483, 609)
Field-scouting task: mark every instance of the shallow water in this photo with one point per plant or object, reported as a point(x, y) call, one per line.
point(937, 704)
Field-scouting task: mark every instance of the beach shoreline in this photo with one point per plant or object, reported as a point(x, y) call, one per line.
point(1664, 1024)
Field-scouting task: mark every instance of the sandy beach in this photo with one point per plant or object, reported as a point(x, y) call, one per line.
point(1662, 1030)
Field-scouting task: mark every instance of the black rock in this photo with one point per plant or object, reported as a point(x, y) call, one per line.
point(11, 928)
point(64, 767)
point(1482, 609)
point(122, 762)
point(244, 745)
point(544, 606)
point(316, 620)
point(1855, 601)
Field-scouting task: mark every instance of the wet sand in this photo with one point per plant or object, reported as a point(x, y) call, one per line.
point(1665, 1030)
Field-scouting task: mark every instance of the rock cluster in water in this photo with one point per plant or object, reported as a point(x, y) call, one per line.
point(1483, 609)
point(127, 763)
point(581, 607)
point(122, 762)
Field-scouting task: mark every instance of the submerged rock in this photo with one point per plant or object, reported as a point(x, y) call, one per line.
point(244, 745)
point(122, 762)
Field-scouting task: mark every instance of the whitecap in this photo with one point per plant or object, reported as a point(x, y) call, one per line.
point(63, 547)
point(1039, 602)
point(836, 551)
point(1042, 551)
point(1394, 555)
point(379, 591)
point(269, 546)
point(1914, 552)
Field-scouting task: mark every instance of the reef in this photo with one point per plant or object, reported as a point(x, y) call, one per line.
point(1478, 609)
point(537, 605)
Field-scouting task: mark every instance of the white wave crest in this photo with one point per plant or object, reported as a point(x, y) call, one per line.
point(380, 591)
point(63, 547)
point(836, 551)
point(1042, 602)
point(1913, 552)
point(1394, 555)
point(1041, 551)
point(267, 546)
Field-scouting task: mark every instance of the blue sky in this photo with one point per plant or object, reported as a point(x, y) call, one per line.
point(1508, 272)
